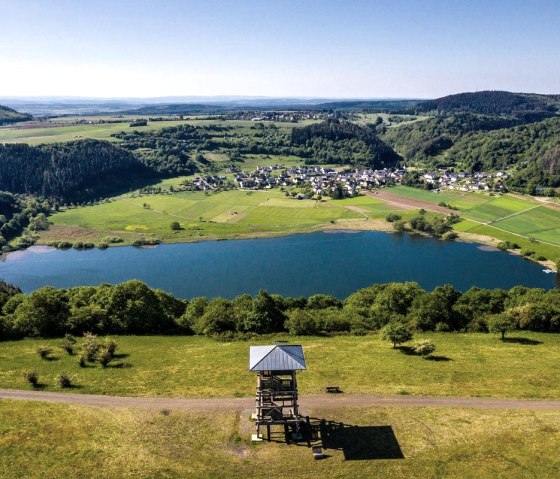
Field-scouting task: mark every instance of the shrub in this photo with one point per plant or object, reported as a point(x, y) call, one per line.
point(44, 352)
point(102, 245)
point(450, 236)
point(89, 245)
point(110, 346)
point(396, 332)
point(67, 346)
point(65, 245)
point(32, 377)
point(392, 217)
point(424, 348)
point(175, 226)
point(399, 226)
point(64, 380)
point(90, 346)
point(104, 357)
point(78, 245)
point(82, 361)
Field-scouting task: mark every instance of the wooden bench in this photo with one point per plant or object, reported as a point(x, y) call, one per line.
point(333, 389)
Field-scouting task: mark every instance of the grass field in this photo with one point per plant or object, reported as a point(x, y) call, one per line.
point(39, 440)
point(222, 215)
point(465, 365)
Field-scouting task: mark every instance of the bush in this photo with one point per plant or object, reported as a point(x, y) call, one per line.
point(102, 245)
point(424, 348)
point(396, 332)
point(175, 226)
point(67, 346)
point(82, 361)
point(89, 245)
point(104, 357)
point(64, 380)
point(32, 377)
point(78, 245)
point(450, 236)
point(90, 346)
point(392, 217)
point(44, 352)
point(65, 245)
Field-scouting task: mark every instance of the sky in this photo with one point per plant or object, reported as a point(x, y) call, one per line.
point(280, 48)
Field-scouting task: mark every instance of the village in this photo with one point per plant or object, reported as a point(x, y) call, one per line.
point(346, 182)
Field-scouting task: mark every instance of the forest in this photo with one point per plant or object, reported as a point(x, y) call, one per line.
point(134, 308)
point(70, 171)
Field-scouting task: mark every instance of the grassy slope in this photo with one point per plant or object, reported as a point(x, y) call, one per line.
point(469, 365)
point(48, 440)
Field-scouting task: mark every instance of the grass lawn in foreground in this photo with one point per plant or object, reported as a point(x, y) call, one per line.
point(39, 440)
point(473, 364)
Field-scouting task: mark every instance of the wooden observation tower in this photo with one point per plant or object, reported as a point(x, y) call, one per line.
point(276, 398)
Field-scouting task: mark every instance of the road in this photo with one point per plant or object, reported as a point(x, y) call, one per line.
point(307, 402)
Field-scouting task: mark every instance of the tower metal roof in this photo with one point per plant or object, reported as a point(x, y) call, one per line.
point(279, 357)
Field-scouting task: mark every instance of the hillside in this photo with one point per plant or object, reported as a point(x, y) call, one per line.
point(343, 142)
point(493, 103)
point(68, 171)
point(8, 116)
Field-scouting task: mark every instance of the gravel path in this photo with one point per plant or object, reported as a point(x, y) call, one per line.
point(313, 402)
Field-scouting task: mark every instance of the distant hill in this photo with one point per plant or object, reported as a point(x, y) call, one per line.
point(493, 103)
point(8, 115)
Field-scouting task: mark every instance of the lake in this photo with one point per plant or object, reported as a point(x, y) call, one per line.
point(336, 263)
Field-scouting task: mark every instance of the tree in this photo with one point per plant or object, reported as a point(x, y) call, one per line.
point(396, 332)
point(501, 323)
point(424, 348)
point(175, 226)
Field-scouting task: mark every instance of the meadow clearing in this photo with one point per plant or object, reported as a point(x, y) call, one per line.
point(469, 364)
point(52, 440)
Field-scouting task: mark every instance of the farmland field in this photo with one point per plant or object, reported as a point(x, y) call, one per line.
point(473, 364)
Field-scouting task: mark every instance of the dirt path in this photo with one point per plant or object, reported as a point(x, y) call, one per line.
point(313, 402)
point(397, 201)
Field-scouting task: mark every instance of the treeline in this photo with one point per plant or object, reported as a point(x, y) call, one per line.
point(493, 103)
point(343, 142)
point(134, 308)
point(71, 171)
point(18, 212)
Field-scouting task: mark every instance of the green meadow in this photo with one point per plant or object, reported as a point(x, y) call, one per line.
point(39, 440)
point(228, 214)
point(470, 364)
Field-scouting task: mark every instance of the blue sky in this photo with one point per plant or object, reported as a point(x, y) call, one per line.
point(306, 48)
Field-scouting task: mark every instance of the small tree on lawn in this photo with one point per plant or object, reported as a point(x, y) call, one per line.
point(501, 323)
point(424, 348)
point(396, 332)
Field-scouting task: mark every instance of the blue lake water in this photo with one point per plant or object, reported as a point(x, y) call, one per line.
point(298, 265)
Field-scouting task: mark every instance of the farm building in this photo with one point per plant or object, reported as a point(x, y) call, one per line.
point(276, 400)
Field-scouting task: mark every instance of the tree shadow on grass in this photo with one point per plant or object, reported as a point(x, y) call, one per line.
point(408, 350)
point(526, 341)
point(438, 358)
point(120, 365)
point(51, 358)
point(121, 355)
